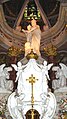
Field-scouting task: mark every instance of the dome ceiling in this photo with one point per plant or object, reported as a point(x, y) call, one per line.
point(13, 7)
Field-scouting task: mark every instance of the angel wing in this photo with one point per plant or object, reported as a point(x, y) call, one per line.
point(20, 66)
point(44, 65)
point(49, 66)
point(64, 69)
point(15, 67)
point(2, 67)
point(55, 68)
point(8, 68)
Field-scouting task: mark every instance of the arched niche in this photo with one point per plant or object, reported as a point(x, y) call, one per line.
point(36, 114)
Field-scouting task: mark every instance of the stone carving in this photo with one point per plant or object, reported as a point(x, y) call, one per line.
point(19, 68)
point(33, 37)
point(61, 76)
point(45, 68)
point(44, 101)
point(5, 84)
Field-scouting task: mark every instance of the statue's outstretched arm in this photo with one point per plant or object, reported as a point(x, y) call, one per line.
point(15, 67)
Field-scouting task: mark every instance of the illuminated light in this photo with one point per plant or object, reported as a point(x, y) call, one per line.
point(32, 11)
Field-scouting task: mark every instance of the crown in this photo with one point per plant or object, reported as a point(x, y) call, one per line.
point(32, 55)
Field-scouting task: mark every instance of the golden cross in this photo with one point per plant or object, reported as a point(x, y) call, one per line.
point(32, 114)
point(32, 80)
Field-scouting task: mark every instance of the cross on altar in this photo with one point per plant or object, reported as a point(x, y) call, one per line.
point(32, 80)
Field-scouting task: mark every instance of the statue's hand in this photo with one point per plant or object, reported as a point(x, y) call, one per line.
point(23, 30)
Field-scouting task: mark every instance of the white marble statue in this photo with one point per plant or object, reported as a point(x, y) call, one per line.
point(45, 76)
point(44, 101)
point(61, 76)
point(15, 105)
point(5, 84)
point(19, 68)
point(49, 106)
point(46, 68)
point(33, 34)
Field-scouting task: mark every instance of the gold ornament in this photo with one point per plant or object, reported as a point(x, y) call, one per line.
point(14, 51)
point(50, 50)
point(32, 55)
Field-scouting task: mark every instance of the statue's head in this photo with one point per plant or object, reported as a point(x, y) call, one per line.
point(19, 64)
point(6, 72)
point(45, 63)
point(33, 22)
point(29, 27)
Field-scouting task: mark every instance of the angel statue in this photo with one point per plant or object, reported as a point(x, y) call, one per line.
point(33, 34)
point(46, 68)
point(4, 75)
point(19, 68)
point(61, 76)
point(45, 76)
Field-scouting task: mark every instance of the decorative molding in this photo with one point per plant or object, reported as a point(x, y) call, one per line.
point(3, 1)
point(14, 51)
point(20, 15)
point(50, 50)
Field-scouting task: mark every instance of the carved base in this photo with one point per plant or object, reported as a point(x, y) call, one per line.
point(61, 97)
